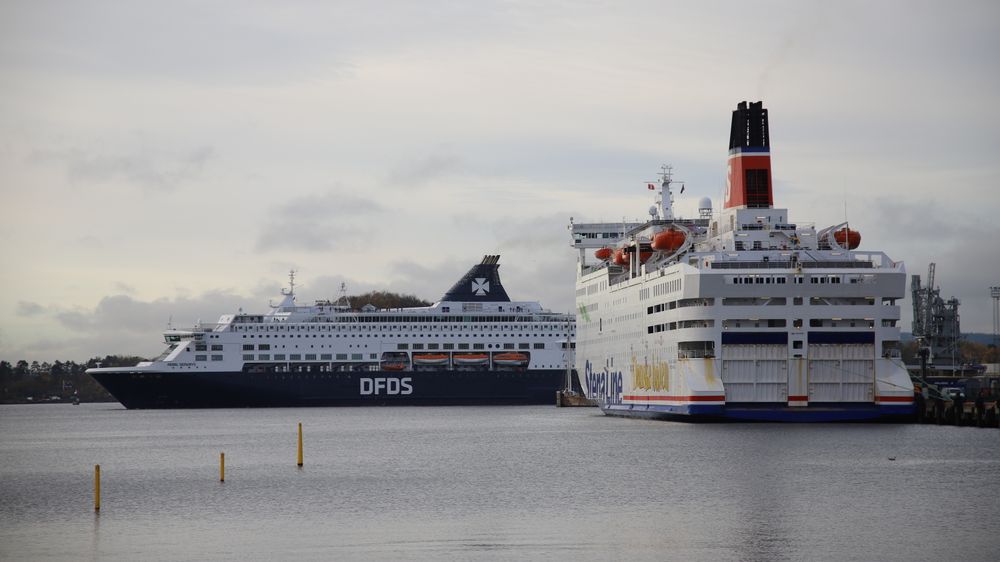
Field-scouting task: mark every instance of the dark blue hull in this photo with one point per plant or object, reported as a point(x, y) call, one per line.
point(144, 389)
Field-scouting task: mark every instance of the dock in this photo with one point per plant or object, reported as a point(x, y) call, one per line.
point(944, 411)
point(571, 398)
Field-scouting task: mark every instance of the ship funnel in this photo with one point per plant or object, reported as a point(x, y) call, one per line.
point(748, 183)
point(481, 283)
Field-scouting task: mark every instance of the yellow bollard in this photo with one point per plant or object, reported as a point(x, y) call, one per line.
point(222, 467)
point(97, 488)
point(300, 444)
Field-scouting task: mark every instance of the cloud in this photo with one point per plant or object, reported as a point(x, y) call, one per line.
point(318, 223)
point(424, 170)
point(303, 234)
point(428, 281)
point(158, 170)
point(918, 231)
point(122, 324)
point(27, 308)
point(90, 242)
point(323, 205)
point(124, 288)
point(257, 44)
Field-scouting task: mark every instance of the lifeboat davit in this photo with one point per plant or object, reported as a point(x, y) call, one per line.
point(669, 240)
point(847, 238)
point(603, 254)
point(620, 257)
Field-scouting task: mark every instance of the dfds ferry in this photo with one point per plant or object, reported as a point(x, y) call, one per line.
point(475, 346)
point(739, 314)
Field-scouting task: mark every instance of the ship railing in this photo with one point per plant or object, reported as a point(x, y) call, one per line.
point(695, 349)
point(853, 260)
point(695, 354)
point(206, 327)
point(751, 264)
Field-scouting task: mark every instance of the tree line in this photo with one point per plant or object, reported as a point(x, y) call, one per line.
point(970, 352)
point(60, 381)
point(385, 299)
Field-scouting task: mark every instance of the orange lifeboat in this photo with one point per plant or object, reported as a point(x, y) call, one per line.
point(510, 359)
point(471, 358)
point(603, 254)
point(669, 240)
point(645, 255)
point(847, 238)
point(620, 257)
point(430, 358)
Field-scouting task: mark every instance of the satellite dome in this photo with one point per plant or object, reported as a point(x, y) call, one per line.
point(704, 203)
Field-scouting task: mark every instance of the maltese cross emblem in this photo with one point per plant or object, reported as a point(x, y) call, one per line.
point(480, 286)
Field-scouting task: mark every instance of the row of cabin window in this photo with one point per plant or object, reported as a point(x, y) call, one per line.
point(418, 327)
point(416, 346)
point(665, 327)
point(320, 325)
point(466, 346)
point(763, 280)
point(682, 303)
point(797, 279)
point(201, 348)
point(308, 357)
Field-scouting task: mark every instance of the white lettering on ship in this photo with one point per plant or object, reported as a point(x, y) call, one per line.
point(386, 385)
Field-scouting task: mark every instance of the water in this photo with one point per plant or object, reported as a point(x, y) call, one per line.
point(489, 483)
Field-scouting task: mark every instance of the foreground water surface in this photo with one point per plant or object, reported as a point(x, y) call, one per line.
point(502, 483)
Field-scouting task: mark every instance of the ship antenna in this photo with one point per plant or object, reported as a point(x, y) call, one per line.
point(290, 291)
point(343, 295)
point(847, 225)
point(845, 204)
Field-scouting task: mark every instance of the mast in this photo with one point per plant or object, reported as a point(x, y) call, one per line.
point(570, 357)
point(666, 196)
point(290, 291)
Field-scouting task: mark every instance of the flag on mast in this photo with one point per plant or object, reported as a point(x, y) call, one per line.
point(650, 186)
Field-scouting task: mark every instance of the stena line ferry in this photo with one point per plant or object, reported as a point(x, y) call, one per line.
point(474, 346)
point(743, 314)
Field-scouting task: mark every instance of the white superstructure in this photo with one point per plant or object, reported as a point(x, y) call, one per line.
point(331, 336)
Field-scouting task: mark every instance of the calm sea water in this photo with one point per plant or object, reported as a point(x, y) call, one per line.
point(487, 483)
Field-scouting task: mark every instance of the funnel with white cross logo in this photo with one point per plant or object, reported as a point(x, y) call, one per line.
point(480, 284)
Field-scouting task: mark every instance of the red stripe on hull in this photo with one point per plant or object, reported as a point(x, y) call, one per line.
point(719, 398)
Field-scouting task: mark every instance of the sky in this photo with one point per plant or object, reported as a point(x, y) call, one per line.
point(168, 162)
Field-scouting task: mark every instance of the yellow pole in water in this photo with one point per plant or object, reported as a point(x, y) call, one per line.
point(97, 488)
point(300, 444)
point(222, 467)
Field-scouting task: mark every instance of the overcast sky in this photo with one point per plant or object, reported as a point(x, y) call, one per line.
point(173, 160)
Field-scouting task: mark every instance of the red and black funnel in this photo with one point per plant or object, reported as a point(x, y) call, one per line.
point(749, 172)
